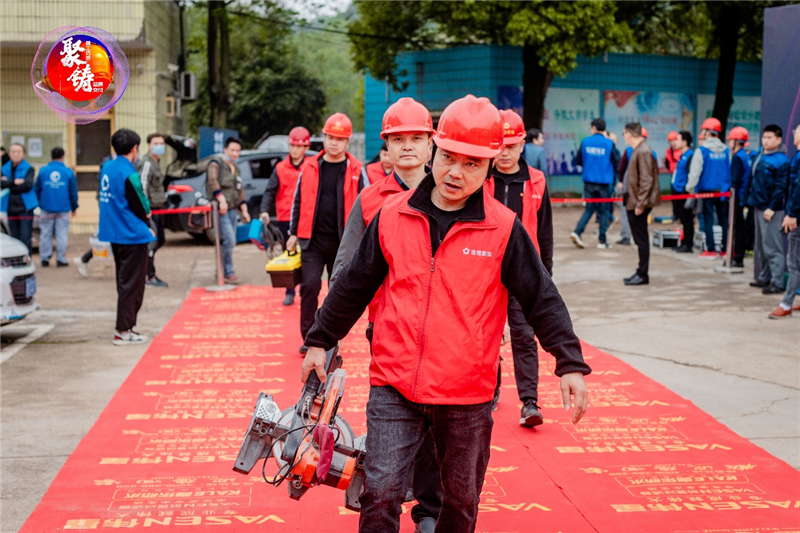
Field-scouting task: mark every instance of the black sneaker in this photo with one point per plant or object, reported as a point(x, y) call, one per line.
point(737, 264)
point(289, 300)
point(303, 349)
point(62, 264)
point(624, 242)
point(684, 249)
point(530, 416)
point(637, 280)
point(45, 263)
point(771, 289)
point(155, 282)
point(758, 284)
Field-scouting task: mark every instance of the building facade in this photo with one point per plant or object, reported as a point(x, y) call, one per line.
point(150, 34)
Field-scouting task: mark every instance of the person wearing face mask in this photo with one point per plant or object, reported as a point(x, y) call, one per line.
point(407, 129)
point(124, 222)
point(523, 190)
point(326, 191)
point(224, 183)
point(445, 257)
point(149, 170)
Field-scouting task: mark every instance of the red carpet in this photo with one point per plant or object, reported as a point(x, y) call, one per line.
point(160, 456)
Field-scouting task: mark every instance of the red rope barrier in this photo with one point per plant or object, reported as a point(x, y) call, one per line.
point(702, 195)
point(175, 211)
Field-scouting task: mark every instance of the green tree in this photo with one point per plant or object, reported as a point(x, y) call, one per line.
point(552, 35)
point(269, 88)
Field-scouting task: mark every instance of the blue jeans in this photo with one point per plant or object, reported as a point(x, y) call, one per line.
point(718, 206)
point(227, 240)
point(50, 223)
point(22, 229)
point(396, 428)
point(596, 190)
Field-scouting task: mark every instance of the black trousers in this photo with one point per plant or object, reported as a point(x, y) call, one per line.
point(744, 233)
point(131, 265)
point(320, 253)
point(525, 352)
point(283, 227)
point(158, 222)
point(641, 237)
point(686, 217)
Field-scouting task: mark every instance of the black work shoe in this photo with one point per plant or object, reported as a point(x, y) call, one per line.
point(426, 525)
point(624, 242)
point(637, 280)
point(289, 300)
point(155, 282)
point(771, 289)
point(496, 399)
point(626, 280)
point(304, 349)
point(758, 284)
point(737, 264)
point(530, 416)
point(45, 264)
point(62, 264)
point(684, 249)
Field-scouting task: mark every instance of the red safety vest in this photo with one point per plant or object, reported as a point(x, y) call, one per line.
point(287, 176)
point(309, 185)
point(532, 196)
point(440, 319)
point(373, 197)
point(374, 172)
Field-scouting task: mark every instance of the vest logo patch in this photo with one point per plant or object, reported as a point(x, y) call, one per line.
point(594, 150)
point(479, 253)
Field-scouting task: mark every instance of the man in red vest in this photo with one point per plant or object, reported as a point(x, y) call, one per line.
point(325, 193)
point(279, 194)
point(375, 172)
point(523, 190)
point(445, 257)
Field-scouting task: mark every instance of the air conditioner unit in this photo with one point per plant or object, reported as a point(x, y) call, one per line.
point(188, 86)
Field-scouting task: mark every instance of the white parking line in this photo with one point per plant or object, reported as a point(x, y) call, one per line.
point(19, 344)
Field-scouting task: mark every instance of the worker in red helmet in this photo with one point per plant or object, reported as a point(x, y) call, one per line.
point(523, 190)
point(710, 171)
point(744, 228)
point(325, 193)
point(279, 194)
point(407, 130)
point(377, 170)
point(673, 154)
point(445, 257)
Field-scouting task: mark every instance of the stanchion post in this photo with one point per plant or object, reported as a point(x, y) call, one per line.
point(726, 267)
point(220, 286)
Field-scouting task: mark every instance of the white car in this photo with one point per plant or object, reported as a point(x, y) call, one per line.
point(17, 281)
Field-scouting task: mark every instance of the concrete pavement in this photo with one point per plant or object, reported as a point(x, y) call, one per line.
point(701, 334)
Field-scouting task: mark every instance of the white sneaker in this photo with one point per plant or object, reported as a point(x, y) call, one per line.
point(577, 240)
point(603, 246)
point(83, 268)
point(128, 337)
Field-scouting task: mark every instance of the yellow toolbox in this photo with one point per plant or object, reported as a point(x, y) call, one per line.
point(284, 270)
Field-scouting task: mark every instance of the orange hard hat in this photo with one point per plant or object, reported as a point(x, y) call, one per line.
point(300, 136)
point(644, 132)
point(338, 125)
point(513, 127)
point(738, 134)
point(672, 136)
point(471, 126)
point(711, 124)
point(406, 115)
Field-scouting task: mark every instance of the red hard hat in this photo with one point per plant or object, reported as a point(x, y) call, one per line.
point(711, 124)
point(471, 126)
point(338, 125)
point(644, 132)
point(738, 134)
point(672, 136)
point(300, 136)
point(513, 127)
point(406, 115)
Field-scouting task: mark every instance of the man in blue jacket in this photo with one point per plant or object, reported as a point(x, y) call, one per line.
point(743, 226)
point(57, 190)
point(766, 192)
point(17, 176)
point(124, 213)
point(598, 159)
point(683, 144)
point(786, 306)
point(534, 153)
